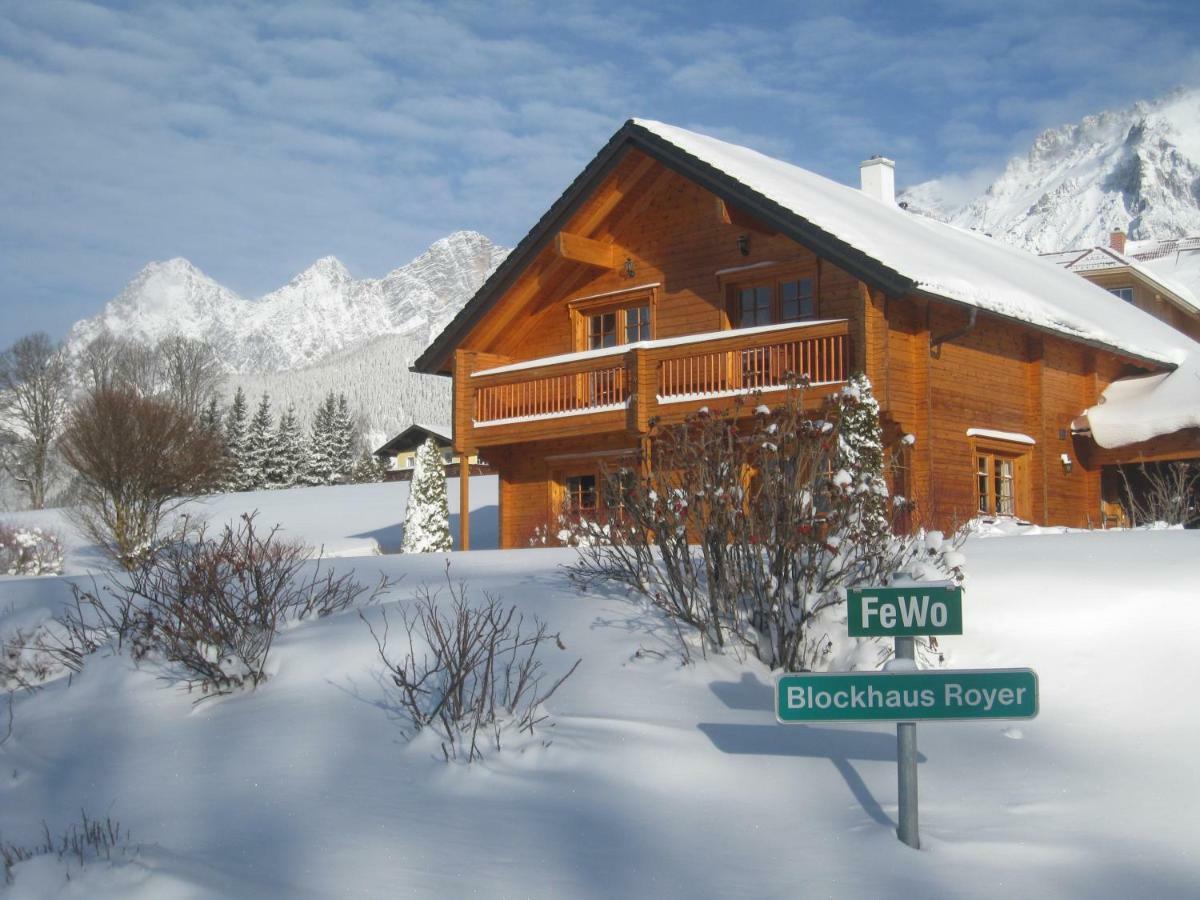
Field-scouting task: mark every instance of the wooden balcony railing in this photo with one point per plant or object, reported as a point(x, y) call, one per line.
point(622, 387)
point(553, 395)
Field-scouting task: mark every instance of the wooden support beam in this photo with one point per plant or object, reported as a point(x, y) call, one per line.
point(731, 215)
point(585, 250)
point(464, 501)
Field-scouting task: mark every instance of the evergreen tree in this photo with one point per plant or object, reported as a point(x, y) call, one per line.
point(210, 418)
point(343, 440)
point(236, 426)
point(860, 457)
point(427, 517)
point(286, 463)
point(321, 459)
point(368, 469)
point(210, 421)
point(259, 446)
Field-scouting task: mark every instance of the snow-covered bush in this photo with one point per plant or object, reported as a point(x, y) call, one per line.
point(470, 673)
point(751, 526)
point(210, 606)
point(427, 516)
point(29, 551)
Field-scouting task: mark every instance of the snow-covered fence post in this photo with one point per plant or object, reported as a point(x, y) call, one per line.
point(427, 517)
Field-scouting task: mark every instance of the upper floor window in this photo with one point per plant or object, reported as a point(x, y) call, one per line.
point(1125, 293)
point(787, 299)
point(610, 321)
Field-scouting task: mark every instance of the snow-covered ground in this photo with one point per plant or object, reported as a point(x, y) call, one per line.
point(660, 780)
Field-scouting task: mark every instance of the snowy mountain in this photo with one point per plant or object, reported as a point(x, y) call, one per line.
point(1137, 169)
point(322, 311)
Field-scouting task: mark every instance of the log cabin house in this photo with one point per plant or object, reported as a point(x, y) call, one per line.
point(679, 271)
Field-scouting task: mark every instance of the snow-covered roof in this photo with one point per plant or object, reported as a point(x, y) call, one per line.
point(940, 259)
point(415, 435)
point(1099, 259)
point(1138, 409)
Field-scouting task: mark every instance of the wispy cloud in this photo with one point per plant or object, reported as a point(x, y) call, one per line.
point(254, 138)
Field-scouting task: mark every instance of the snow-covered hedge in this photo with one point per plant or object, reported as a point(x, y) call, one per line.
point(29, 551)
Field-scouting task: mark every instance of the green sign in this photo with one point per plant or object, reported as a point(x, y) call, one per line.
point(906, 696)
point(904, 611)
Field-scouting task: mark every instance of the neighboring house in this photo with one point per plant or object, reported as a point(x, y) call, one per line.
point(1131, 271)
point(399, 454)
point(679, 271)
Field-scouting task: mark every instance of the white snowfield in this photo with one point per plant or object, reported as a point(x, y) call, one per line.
point(660, 780)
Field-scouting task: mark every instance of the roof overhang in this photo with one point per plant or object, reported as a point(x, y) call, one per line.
point(436, 358)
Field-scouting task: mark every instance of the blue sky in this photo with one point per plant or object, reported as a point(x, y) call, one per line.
point(253, 137)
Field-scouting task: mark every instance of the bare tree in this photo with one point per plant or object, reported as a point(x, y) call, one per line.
point(34, 393)
point(137, 458)
point(109, 362)
point(191, 372)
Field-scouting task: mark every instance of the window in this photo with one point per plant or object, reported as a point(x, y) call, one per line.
point(581, 494)
point(595, 492)
point(602, 330)
point(754, 306)
point(796, 300)
point(610, 322)
point(785, 299)
point(995, 478)
point(637, 324)
point(1125, 293)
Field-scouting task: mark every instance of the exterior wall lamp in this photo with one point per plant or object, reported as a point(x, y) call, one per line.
point(1067, 464)
point(630, 272)
point(743, 244)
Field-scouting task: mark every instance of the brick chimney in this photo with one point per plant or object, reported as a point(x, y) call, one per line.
point(878, 176)
point(1116, 240)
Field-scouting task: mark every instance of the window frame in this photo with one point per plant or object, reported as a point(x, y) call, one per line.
point(774, 277)
point(993, 450)
point(1119, 293)
point(582, 310)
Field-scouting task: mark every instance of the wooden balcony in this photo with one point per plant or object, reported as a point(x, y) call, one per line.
point(622, 388)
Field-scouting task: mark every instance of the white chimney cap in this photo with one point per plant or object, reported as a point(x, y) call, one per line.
point(878, 176)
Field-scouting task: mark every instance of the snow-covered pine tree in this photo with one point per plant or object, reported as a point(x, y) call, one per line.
point(236, 425)
point(368, 469)
point(344, 439)
point(287, 461)
point(259, 446)
point(320, 461)
point(858, 463)
point(427, 517)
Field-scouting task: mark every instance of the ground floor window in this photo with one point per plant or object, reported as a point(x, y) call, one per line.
point(1000, 476)
point(995, 484)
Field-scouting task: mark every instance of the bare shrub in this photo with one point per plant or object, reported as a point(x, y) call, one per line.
point(29, 551)
point(211, 606)
point(750, 526)
point(1162, 492)
point(78, 844)
point(137, 459)
point(469, 672)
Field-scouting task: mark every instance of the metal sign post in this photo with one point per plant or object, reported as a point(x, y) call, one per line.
point(906, 695)
point(906, 762)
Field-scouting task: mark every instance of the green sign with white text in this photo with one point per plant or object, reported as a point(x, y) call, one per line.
point(906, 696)
point(910, 610)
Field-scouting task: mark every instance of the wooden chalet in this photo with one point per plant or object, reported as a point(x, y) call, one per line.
point(399, 453)
point(679, 271)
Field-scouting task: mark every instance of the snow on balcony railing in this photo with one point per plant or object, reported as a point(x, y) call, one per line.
point(822, 360)
point(552, 396)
